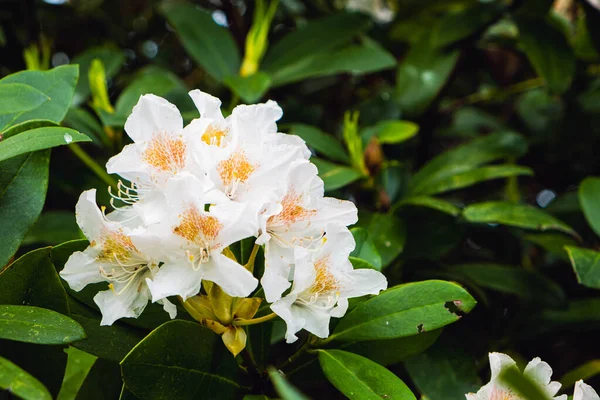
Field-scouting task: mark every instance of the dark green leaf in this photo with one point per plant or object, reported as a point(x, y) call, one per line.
point(53, 227)
point(548, 51)
point(589, 198)
point(112, 59)
point(250, 88)
point(360, 378)
point(405, 310)
point(522, 384)
point(39, 139)
point(444, 371)
point(23, 184)
point(392, 351)
point(584, 371)
point(552, 242)
point(468, 157)
point(57, 85)
point(37, 325)
point(19, 382)
point(209, 44)
point(431, 202)
point(529, 285)
point(283, 388)
point(518, 215)
point(324, 143)
point(325, 34)
point(365, 248)
point(359, 263)
point(421, 75)
point(17, 98)
point(586, 264)
point(386, 232)
point(83, 121)
point(25, 126)
point(394, 132)
point(79, 364)
point(335, 176)
point(180, 360)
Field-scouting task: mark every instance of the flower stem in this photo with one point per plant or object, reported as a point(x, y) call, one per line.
point(301, 350)
point(250, 264)
point(93, 165)
point(254, 321)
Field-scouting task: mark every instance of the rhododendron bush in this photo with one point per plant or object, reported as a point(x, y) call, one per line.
point(363, 199)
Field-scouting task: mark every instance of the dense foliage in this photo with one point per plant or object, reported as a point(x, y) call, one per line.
point(463, 131)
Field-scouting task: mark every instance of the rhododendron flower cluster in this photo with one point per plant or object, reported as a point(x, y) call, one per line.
point(189, 192)
point(537, 371)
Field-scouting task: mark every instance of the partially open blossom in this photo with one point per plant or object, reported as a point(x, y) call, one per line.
point(584, 391)
point(324, 280)
point(113, 256)
point(537, 370)
point(298, 217)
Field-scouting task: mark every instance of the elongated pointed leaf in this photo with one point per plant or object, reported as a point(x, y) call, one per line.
point(386, 232)
point(335, 176)
point(589, 198)
point(181, 360)
point(39, 139)
point(517, 215)
point(586, 264)
point(37, 325)
point(17, 381)
point(431, 202)
point(209, 44)
point(23, 184)
point(58, 85)
point(16, 98)
point(322, 142)
point(284, 389)
point(405, 310)
point(358, 377)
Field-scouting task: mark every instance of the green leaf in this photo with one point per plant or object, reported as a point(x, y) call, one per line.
point(335, 176)
point(522, 384)
point(32, 280)
point(360, 378)
point(548, 51)
point(359, 263)
point(394, 132)
point(53, 227)
point(322, 142)
point(23, 184)
point(19, 382)
point(468, 157)
point(552, 242)
point(430, 202)
point(16, 98)
point(39, 139)
point(79, 364)
point(151, 80)
point(586, 264)
point(356, 59)
point(37, 325)
point(517, 215)
point(283, 388)
point(57, 85)
point(421, 75)
point(529, 285)
point(209, 44)
point(585, 371)
point(296, 50)
point(444, 371)
point(250, 88)
point(405, 310)
point(472, 177)
point(83, 121)
point(259, 342)
point(25, 126)
point(365, 248)
point(589, 198)
point(386, 232)
point(180, 360)
point(392, 351)
point(112, 58)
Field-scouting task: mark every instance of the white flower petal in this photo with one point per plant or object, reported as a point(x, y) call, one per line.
point(285, 309)
point(584, 391)
point(316, 320)
point(175, 279)
point(235, 280)
point(129, 165)
point(499, 362)
point(208, 106)
point(292, 140)
point(152, 115)
point(80, 270)
point(89, 217)
point(122, 302)
point(252, 123)
point(364, 281)
point(541, 373)
point(169, 307)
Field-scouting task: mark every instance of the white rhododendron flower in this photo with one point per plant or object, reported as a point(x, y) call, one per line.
point(324, 280)
point(193, 192)
point(193, 236)
point(584, 391)
point(297, 218)
point(114, 256)
point(537, 370)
